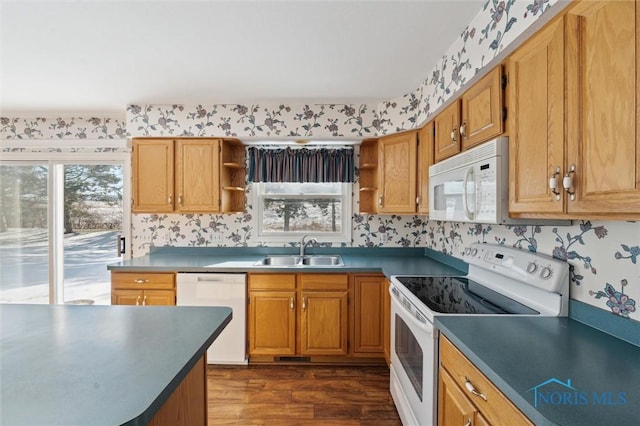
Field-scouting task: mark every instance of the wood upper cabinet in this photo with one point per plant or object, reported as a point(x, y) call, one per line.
point(144, 288)
point(153, 175)
point(368, 317)
point(591, 148)
point(482, 110)
point(603, 72)
point(397, 169)
point(458, 405)
point(536, 121)
point(197, 179)
point(425, 159)
point(447, 138)
point(475, 117)
point(368, 169)
point(188, 175)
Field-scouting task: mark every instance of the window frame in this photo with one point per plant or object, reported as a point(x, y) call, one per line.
point(344, 236)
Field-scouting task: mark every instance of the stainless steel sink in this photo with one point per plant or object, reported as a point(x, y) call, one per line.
point(321, 260)
point(301, 261)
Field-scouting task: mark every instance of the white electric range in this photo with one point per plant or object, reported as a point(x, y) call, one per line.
point(501, 281)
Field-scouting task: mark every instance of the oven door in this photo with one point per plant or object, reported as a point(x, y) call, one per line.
point(413, 362)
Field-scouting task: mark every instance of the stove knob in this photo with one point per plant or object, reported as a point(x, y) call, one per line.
point(532, 267)
point(474, 251)
point(466, 251)
point(545, 274)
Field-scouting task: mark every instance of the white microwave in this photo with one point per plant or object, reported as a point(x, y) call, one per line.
point(472, 186)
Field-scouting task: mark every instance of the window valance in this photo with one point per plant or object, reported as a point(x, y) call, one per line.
point(300, 165)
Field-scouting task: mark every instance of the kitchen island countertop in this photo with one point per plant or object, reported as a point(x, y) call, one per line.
point(97, 365)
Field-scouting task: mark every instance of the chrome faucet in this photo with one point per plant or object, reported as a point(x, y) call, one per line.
point(304, 244)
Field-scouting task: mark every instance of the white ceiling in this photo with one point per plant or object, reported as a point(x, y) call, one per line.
point(100, 55)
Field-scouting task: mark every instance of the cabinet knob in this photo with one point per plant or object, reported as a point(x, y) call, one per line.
point(140, 281)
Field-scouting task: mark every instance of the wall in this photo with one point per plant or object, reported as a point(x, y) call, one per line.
point(603, 255)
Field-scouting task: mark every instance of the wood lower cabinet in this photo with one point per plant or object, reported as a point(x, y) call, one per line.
point(368, 317)
point(457, 405)
point(298, 314)
point(131, 288)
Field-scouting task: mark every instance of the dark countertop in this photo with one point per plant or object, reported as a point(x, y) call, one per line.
point(391, 261)
point(97, 365)
point(519, 353)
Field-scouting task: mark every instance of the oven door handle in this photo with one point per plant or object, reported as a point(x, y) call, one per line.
point(427, 327)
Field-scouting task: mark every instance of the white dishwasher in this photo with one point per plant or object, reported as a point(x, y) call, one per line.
point(209, 289)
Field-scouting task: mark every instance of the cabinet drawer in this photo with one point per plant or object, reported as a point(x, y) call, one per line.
point(324, 281)
point(272, 281)
point(142, 280)
point(497, 408)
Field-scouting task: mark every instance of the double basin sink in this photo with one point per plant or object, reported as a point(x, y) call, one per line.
point(301, 261)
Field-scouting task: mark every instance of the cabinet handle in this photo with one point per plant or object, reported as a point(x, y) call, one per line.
point(180, 200)
point(380, 198)
point(472, 389)
point(140, 281)
point(553, 183)
point(144, 301)
point(468, 423)
point(417, 200)
point(170, 199)
point(292, 303)
point(463, 129)
point(567, 182)
point(453, 135)
point(304, 304)
point(137, 300)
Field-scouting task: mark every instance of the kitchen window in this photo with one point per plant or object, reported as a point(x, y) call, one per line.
point(286, 211)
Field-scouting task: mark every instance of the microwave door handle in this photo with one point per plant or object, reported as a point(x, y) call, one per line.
point(468, 213)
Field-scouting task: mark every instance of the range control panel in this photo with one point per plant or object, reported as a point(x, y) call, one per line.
point(535, 269)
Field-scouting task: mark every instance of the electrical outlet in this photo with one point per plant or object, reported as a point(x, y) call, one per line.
point(217, 237)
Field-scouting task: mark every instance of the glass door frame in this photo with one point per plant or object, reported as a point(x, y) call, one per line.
point(55, 210)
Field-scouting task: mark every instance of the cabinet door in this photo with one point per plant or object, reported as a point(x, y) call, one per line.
point(536, 122)
point(602, 117)
point(272, 323)
point(324, 323)
point(368, 314)
point(482, 110)
point(447, 123)
point(198, 175)
point(398, 173)
point(386, 321)
point(126, 297)
point(454, 408)
point(159, 298)
point(152, 171)
point(425, 159)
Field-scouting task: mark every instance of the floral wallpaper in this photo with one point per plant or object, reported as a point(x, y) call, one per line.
point(603, 255)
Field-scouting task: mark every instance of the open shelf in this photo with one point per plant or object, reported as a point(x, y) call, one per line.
point(369, 176)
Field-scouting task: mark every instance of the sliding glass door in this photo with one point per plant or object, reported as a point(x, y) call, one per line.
point(60, 226)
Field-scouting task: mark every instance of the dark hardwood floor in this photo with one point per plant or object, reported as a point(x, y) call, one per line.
point(300, 395)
